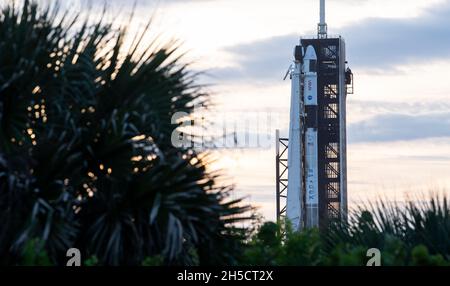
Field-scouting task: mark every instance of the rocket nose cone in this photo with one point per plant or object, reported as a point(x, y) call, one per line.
point(310, 53)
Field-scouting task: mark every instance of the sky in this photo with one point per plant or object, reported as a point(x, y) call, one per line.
point(398, 120)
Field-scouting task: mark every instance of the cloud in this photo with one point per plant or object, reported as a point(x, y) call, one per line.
point(436, 159)
point(385, 43)
point(361, 109)
point(374, 44)
point(400, 127)
point(388, 122)
point(261, 60)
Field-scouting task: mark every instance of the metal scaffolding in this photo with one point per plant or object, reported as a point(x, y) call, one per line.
point(334, 82)
point(281, 168)
point(332, 92)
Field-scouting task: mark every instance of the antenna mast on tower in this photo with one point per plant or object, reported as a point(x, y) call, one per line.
point(322, 27)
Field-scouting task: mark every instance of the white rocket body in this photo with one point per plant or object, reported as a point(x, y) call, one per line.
point(311, 144)
point(294, 203)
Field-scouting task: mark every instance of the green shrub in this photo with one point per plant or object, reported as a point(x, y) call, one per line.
point(296, 248)
point(153, 261)
point(407, 234)
point(34, 254)
point(417, 234)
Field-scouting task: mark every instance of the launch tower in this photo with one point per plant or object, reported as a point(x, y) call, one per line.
point(312, 162)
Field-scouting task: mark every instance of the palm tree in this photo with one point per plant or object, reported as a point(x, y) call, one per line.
point(399, 230)
point(86, 158)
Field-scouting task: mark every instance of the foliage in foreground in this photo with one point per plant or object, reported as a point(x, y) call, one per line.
point(415, 234)
point(86, 159)
point(86, 162)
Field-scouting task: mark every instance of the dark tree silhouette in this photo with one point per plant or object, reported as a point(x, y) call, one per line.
point(85, 153)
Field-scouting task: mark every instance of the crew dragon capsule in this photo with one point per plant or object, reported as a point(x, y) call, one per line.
point(311, 146)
